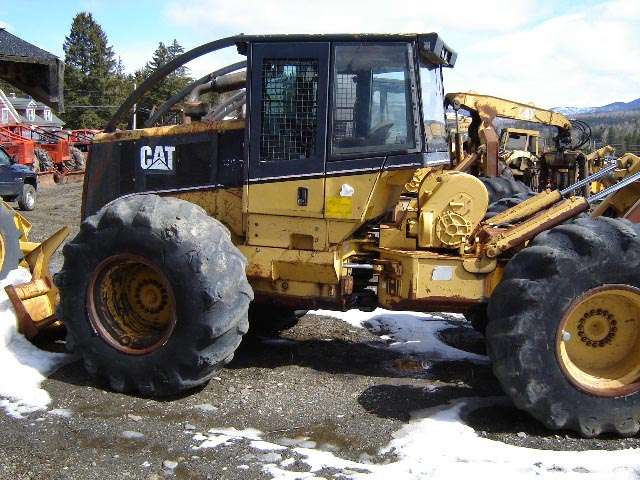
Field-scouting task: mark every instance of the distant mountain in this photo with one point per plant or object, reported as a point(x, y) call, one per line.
point(612, 107)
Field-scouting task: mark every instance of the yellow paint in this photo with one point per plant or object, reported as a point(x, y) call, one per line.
point(452, 204)
point(281, 198)
point(339, 207)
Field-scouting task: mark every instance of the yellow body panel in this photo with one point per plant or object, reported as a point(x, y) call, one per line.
point(430, 281)
point(281, 198)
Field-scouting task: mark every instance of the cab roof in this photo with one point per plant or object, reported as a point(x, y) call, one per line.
point(431, 44)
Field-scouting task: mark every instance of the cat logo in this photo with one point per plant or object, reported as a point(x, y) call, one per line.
point(159, 158)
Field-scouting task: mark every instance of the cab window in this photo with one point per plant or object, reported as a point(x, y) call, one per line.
point(289, 109)
point(371, 99)
point(433, 107)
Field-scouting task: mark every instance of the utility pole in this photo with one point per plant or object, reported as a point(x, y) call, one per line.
point(135, 110)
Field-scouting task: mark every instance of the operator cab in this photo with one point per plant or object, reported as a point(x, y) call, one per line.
point(516, 139)
point(345, 102)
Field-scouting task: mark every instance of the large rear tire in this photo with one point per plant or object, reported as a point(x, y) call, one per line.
point(503, 187)
point(153, 294)
point(564, 327)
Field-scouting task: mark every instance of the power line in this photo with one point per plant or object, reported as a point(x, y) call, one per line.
point(91, 106)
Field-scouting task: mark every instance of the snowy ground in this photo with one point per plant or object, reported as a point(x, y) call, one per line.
point(436, 443)
point(24, 366)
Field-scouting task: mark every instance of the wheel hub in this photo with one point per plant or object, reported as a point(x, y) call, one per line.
point(598, 341)
point(597, 328)
point(131, 304)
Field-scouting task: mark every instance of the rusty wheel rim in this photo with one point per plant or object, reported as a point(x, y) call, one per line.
point(598, 341)
point(131, 304)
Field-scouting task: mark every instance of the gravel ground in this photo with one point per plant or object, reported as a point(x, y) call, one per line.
point(324, 381)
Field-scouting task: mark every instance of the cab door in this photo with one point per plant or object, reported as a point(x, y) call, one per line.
point(287, 145)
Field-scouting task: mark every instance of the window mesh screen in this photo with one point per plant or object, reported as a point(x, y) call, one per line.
point(289, 109)
point(345, 100)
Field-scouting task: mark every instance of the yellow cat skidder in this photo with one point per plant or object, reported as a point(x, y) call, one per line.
point(289, 194)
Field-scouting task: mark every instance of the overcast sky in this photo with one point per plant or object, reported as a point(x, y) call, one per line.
point(553, 53)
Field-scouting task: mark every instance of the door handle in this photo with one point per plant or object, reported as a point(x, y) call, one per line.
point(303, 196)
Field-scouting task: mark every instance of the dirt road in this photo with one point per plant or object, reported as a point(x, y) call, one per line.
point(327, 391)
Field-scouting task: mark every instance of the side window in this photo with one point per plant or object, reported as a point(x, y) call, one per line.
point(289, 110)
point(4, 158)
point(31, 114)
point(371, 99)
point(4, 115)
point(433, 107)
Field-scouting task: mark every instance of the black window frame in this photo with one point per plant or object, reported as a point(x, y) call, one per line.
point(259, 170)
point(414, 115)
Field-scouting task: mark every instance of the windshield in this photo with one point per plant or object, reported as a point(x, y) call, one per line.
point(433, 107)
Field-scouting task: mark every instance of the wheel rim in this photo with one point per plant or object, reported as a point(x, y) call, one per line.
point(131, 304)
point(598, 341)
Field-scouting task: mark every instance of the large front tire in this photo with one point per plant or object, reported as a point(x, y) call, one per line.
point(564, 327)
point(267, 320)
point(153, 294)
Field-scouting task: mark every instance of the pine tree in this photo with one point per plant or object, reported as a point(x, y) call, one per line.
point(89, 75)
point(170, 85)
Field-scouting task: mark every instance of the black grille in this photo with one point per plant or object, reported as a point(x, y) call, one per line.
point(345, 100)
point(289, 109)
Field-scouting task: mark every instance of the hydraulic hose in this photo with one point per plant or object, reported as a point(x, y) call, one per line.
point(210, 77)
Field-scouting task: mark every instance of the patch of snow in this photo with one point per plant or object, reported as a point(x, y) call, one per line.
point(319, 459)
point(61, 412)
point(24, 366)
point(132, 435)
point(262, 445)
point(225, 436)
point(206, 407)
point(409, 332)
